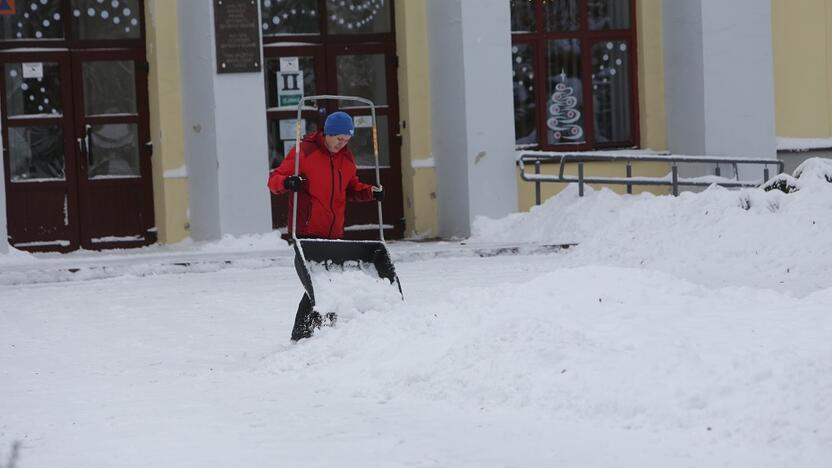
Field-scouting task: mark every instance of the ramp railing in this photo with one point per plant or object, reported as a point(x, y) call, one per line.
point(538, 158)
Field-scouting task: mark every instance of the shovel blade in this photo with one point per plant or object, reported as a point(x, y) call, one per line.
point(343, 254)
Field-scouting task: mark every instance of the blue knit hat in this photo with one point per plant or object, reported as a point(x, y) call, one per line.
point(339, 123)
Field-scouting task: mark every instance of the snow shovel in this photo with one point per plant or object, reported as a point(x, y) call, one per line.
point(344, 254)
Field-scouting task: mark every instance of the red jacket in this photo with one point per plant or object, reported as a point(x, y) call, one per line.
point(329, 181)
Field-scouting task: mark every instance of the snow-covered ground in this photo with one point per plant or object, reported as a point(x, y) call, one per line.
point(681, 332)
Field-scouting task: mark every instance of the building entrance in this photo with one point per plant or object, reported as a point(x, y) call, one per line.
point(75, 131)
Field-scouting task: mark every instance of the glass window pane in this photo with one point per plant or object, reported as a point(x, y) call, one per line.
point(564, 105)
point(562, 15)
point(33, 89)
point(305, 64)
point(109, 87)
point(609, 14)
point(522, 16)
point(366, 16)
point(115, 151)
point(290, 17)
point(363, 76)
point(361, 143)
point(36, 153)
point(111, 19)
point(525, 105)
point(282, 137)
point(611, 91)
point(33, 19)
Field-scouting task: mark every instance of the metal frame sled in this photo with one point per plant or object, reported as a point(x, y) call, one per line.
point(344, 253)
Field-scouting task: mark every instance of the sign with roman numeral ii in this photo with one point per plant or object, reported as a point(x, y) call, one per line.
point(289, 88)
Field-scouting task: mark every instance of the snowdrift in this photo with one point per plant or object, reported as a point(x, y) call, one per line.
point(718, 237)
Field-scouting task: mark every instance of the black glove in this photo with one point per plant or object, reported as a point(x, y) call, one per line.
point(293, 183)
point(378, 193)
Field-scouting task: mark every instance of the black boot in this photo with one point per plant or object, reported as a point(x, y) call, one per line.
point(306, 320)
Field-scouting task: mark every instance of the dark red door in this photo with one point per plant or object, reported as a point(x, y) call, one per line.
point(39, 154)
point(369, 71)
point(281, 118)
point(347, 49)
point(73, 100)
point(75, 134)
point(115, 192)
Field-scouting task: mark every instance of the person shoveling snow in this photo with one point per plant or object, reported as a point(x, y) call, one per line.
point(323, 178)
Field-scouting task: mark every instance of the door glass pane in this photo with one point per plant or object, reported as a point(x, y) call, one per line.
point(306, 66)
point(363, 76)
point(33, 89)
point(564, 105)
point(106, 19)
point(611, 91)
point(361, 143)
point(525, 105)
point(109, 87)
point(522, 16)
point(115, 151)
point(562, 15)
point(609, 14)
point(290, 17)
point(366, 16)
point(33, 19)
point(36, 153)
point(282, 137)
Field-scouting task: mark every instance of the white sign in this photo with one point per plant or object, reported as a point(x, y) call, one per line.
point(289, 88)
point(287, 129)
point(289, 64)
point(363, 121)
point(32, 70)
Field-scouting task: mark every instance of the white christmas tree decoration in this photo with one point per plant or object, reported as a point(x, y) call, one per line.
point(564, 113)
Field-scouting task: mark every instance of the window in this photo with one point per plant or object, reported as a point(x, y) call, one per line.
point(73, 20)
point(574, 74)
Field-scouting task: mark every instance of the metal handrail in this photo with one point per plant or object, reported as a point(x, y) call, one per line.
point(670, 180)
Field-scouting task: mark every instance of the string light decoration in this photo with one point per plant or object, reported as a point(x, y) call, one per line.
point(280, 15)
point(301, 16)
point(523, 72)
point(110, 15)
point(353, 16)
point(35, 19)
point(35, 98)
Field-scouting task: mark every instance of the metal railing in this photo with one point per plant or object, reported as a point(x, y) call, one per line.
point(537, 158)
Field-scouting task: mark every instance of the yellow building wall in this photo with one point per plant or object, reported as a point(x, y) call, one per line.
point(418, 173)
point(652, 117)
point(170, 195)
point(802, 48)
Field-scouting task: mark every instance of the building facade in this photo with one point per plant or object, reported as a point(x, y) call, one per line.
point(121, 126)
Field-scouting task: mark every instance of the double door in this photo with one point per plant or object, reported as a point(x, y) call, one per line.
point(365, 70)
point(76, 149)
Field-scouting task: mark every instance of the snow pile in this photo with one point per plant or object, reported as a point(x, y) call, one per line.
point(350, 292)
point(803, 144)
point(745, 373)
point(719, 236)
point(681, 332)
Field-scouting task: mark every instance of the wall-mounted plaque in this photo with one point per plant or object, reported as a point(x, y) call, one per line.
point(237, 34)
